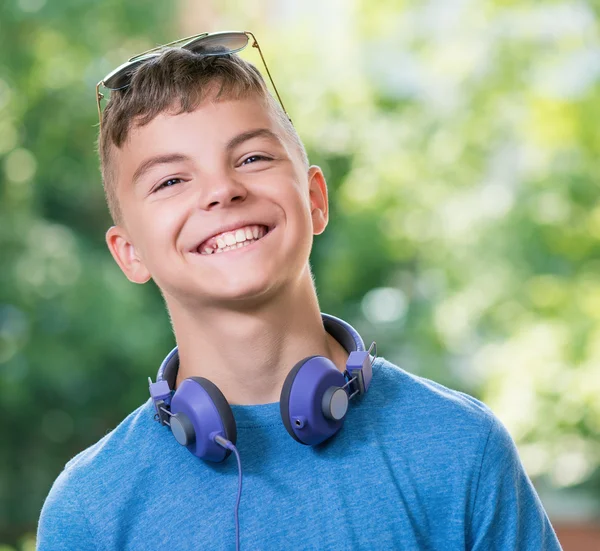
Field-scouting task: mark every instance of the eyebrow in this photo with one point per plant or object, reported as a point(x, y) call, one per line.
point(257, 133)
point(159, 160)
point(178, 157)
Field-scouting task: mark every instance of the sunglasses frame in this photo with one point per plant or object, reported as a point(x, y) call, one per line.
point(186, 41)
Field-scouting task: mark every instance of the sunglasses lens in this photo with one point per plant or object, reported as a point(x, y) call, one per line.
point(218, 43)
point(121, 77)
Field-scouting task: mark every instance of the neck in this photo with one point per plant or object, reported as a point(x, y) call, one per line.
point(248, 353)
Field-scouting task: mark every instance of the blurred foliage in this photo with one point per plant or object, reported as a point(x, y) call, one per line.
point(460, 141)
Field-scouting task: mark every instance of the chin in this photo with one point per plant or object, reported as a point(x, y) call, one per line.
point(242, 292)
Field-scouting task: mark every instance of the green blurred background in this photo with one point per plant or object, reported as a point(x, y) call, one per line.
point(460, 140)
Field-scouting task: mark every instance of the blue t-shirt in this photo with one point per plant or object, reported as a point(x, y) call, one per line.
point(416, 466)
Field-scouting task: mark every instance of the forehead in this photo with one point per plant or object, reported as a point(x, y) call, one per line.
point(209, 126)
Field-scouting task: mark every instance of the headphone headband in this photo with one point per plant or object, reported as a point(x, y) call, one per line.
point(340, 330)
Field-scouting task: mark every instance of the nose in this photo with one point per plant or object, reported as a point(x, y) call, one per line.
point(221, 192)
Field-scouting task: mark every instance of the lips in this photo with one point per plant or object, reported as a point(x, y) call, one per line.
point(231, 235)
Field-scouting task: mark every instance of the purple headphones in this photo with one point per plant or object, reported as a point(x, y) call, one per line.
point(314, 398)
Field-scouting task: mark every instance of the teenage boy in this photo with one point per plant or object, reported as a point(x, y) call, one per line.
point(213, 198)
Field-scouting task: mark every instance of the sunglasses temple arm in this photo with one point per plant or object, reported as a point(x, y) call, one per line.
point(255, 45)
point(99, 96)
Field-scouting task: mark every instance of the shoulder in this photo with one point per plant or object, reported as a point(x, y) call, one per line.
point(92, 476)
point(426, 402)
point(433, 429)
point(125, 443)
point(428, 425)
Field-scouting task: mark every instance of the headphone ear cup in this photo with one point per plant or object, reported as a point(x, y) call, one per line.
point(284, 400)
point(208, 412)
point(223, 408)
point(307, 393)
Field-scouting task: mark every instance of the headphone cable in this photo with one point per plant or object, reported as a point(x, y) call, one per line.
point(230, 446)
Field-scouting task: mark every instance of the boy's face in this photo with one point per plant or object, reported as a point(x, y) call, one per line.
point(188, 183)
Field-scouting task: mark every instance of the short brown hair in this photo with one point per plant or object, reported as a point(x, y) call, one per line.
point(177, 80)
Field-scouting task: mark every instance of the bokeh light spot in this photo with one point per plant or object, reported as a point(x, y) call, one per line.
point(384, 305)
point(20, 166)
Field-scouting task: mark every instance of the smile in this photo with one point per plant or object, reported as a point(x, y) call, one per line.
point(235, 239)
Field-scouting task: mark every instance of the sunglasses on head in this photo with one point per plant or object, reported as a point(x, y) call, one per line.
point(206, 44)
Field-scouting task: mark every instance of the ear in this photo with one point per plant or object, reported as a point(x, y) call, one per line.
point(125, 255)
point(319, 204)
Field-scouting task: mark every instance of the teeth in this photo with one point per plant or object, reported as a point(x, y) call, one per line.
point(234, 240)
point(208, 250)
point(240, 235)
point(233, 247)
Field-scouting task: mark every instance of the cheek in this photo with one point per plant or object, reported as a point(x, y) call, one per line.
point(156, 236)
point(296, 211)
point(303, 206)
point(299, 221)
point(293, 194)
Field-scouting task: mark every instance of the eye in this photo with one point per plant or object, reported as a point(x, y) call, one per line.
point(254, 158)
point(168, 183)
